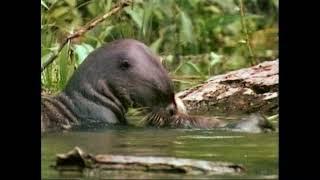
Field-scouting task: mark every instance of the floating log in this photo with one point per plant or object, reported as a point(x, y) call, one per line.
point(77, 159)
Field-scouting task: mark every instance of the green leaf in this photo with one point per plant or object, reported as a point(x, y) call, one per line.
point(169, 59)
point(47, 73)
point(228, 6)
point(194, 2)
point(213, 9)
point(147, 17)
point(156, 45)
point(276, 3)
point(108, 5)
point(194, 67)
point(165, 7)
point(47, 76)
point(106, 32)
point(136, 15)
point(242, 41)
point(186, 34)
point(214, 59)
point(44, 4)
point(92, 8)
point(71, 3)
point(226, 19)
point(82, 51)
point(63, 67)
point(223, 20)
point(45, 57)
point(60, 12)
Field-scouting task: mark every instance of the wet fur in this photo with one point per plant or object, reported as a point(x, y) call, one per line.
point(121, 74)
point(182, 120)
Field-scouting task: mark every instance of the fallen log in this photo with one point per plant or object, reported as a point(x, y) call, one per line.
point(77, 159)
point(253, 89)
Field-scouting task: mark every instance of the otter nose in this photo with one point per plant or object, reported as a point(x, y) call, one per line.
point(172, 109)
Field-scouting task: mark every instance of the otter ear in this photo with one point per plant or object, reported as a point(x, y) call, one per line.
point(124, 64)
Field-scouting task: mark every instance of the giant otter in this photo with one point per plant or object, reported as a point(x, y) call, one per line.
point(122, 74)
point(118, 75)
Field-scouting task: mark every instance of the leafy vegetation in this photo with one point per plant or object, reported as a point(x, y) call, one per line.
point(196, 38)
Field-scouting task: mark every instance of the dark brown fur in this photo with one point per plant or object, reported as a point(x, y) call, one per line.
point(121, 74)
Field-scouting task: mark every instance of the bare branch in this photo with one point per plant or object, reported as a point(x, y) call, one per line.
point(93, 23)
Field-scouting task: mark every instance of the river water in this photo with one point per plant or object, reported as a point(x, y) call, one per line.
point(257, 152)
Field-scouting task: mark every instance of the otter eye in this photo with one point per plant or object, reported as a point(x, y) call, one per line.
point(124, 64)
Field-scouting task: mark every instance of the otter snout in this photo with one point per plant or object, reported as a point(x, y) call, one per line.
point(172, 109)
point(180, 105)
point(176, 106)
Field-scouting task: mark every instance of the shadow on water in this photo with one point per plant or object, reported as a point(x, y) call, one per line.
point(257, 152)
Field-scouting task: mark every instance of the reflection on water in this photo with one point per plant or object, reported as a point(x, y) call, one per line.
point(257, 152)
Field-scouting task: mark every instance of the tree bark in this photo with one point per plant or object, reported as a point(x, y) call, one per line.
point(253, 89)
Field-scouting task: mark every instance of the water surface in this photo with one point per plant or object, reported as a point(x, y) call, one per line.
point(257, 152)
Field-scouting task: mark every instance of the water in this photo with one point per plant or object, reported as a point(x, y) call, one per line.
point(257, 152)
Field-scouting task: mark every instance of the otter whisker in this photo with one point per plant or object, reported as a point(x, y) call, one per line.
point(160, 121)
point(145, 120)
point(152, 116)
point(153, 119)
point(156, 120)
point(155, 116)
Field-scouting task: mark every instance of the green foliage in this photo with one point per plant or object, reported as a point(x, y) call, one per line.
point(63, 67)
point(82, 51)
point(186, 33)
point(210, 31)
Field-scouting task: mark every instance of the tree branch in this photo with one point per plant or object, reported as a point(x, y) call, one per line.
point(87, 27)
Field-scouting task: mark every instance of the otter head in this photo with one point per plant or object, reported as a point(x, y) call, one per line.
point(128, 72)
